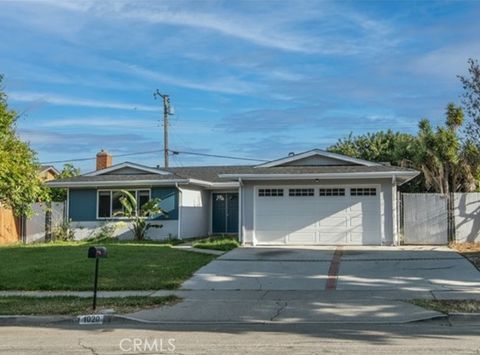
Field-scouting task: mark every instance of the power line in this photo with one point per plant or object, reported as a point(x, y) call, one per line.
point(113, 156)
point(173, 152)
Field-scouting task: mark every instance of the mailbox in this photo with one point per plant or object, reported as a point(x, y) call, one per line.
point(97, 252)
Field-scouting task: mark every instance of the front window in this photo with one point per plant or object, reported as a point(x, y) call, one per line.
point(104, 204)
point(109, 205)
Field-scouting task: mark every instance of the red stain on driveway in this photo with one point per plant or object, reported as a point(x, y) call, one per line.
point(334, 269)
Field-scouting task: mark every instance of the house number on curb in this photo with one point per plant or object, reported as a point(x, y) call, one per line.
point(91, 319)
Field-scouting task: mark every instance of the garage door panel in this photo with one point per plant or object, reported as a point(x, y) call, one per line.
point(302, 238)
point(271, 237)
point(318, 219)
point(332, 237)
point(332, 222)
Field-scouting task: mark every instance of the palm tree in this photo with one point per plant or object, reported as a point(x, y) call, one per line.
point(446, 163)
point(140, 215)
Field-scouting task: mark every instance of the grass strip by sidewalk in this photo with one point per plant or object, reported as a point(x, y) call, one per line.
point(215, 243)
point(449, 306)
point(71, 305)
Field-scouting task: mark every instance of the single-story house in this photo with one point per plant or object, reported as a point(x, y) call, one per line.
point(315, 197)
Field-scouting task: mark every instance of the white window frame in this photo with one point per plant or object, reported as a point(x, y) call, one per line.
point(111, 201)
point(370, 189)
point(332, 188)
point(294, 190)
point(270, 189)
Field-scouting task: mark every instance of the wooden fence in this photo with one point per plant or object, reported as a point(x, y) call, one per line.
point(10, 227)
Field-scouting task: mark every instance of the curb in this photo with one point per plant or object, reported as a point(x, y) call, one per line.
point(464, 316)
point(119, 319)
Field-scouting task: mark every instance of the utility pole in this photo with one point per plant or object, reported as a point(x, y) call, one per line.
point(166, 113)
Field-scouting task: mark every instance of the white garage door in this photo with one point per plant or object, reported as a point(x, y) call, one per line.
point(318, 215)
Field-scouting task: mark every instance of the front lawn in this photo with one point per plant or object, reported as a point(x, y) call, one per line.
point(78, 305)
point(217, 243)
point(450, 306)
point(64, 266)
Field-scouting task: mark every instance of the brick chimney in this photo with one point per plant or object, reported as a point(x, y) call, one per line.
point(104, 160)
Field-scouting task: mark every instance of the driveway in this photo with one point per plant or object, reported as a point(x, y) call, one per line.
point(321, 284)
point(410, 269)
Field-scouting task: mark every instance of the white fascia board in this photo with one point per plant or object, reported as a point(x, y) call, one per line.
point(127, 165)
point(210, 185)
point(224, 185)
point(72, 184)
point(213, 185)
point(317, 152)
point(360, 175)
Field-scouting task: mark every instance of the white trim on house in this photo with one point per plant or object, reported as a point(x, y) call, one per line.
point(359, 175)
point(116, 183)
point(113, 183)
point(314, 152)
point(128, 165)
point(179, 214)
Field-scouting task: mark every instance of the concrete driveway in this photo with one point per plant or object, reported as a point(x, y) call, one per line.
point(321, 284)
point(345, 269)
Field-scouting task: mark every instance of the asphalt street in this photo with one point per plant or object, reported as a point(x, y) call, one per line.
point(432, 337)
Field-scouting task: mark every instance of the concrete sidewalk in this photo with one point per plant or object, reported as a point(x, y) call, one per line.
point(287, 307)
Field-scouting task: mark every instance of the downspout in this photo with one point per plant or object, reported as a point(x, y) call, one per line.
point(240, 214)
point(395, 216)
point(179, 219)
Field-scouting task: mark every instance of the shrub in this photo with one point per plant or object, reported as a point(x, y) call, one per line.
point(63, 232)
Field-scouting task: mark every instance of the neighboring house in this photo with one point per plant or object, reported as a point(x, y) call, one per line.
point(47, 172)
point(12, 227)
point(315, 197)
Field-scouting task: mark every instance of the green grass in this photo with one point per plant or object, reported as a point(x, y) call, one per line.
point(65, 266)
point(449, 306)
point(77, 305)
point(217, 243)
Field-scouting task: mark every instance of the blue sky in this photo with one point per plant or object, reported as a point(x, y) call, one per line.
point(246, 78)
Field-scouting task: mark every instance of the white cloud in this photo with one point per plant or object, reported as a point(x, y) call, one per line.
point(226, 85)
point(98, 122)
point(60, 100)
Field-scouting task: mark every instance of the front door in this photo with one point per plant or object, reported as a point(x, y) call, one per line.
point(225, 212)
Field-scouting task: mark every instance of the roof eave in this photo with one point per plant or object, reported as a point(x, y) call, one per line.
point(358, 175)
point(72, 184)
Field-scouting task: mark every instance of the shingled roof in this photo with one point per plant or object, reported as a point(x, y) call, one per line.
point(213, 174)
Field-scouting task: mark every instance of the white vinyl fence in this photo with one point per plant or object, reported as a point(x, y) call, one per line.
point(467, 217)
point(425, 219)
point(36, 227)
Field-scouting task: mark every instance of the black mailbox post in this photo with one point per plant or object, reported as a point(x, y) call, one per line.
point(96, 253)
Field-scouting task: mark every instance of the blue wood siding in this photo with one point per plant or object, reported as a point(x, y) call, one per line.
point(83, 203)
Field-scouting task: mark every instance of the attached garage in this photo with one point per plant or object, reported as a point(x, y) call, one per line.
point(324, 215)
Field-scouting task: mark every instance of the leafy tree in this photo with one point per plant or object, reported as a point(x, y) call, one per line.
point(389, 147)
point(140, 215)
point(386, 147)
point(20, 185)
point(471, 99)
point(447, 164)
point(58, 194)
